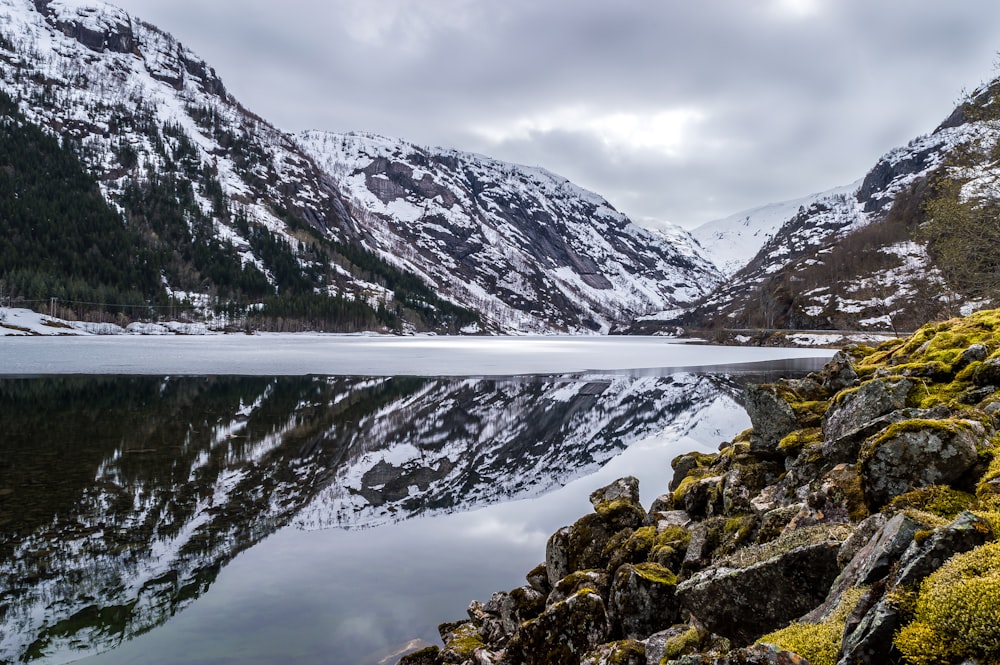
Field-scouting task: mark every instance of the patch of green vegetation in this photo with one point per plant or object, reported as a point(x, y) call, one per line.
point(939, 500)
point(948, 427)
point(957, 612)
point(800, 439)
point(681, 645)
point(811, 535)
point(655, 573)
point(464, 641)
point(819, 643)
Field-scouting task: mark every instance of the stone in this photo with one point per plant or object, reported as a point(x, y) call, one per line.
point(987, 374)
point(917, 453)
point(678, 640)
point(853, 412)
point(462, 644)
point(520, 605)
point(538, 579)
point(577, 547)
point(618, 504)
point(623, 652)
point(839, 373)
point(764, 587)
point(705, 537)
point(563, 634)
point(427, 656)
point(574, 583)
point(870, 643)
point(975, 353)
point(772, 417)
point(641, 600)
point(966, 532)
point(759, 654)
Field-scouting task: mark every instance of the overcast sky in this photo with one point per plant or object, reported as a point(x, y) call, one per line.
point(677, 110)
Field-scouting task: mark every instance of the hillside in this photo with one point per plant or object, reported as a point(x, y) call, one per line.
point(527, 249)
point(913, 242)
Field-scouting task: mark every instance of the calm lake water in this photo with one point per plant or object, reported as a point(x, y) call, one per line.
point(211, 502)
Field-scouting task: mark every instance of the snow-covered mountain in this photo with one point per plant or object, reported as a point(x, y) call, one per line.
point(528, 249)
point(731, 242)
point(238, 210)
point(860, 257)
point(173, 477)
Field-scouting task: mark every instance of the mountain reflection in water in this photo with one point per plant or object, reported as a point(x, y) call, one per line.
point(121, 498)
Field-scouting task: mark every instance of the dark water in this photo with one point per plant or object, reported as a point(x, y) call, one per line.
point(305, 519)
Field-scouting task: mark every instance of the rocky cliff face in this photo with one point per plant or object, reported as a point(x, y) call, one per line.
point(854, 523)
point(525, 247)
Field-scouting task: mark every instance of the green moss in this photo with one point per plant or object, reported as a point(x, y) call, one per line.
point(682, 645)
point(799, 439)
point(655, 573)
point(939, 500)
point(811, 535)
point(819, 643)
point(958, 611)
point(464, 641)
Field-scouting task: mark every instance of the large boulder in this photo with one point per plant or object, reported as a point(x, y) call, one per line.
point(618, 503)
point(641, 601)
point(563, 634)
point(918, 453)
point(623, 652)
point(759, 654)
point(580, 546)
point(763, 587)
point(772, 417)
point(853, 412)
point(520, 605)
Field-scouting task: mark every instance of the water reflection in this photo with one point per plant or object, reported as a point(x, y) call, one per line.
point(121, 498)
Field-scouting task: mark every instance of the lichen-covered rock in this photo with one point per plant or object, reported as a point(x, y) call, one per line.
point(678, 640)
point(918, 453)
point(705, 538)
point(572, 584)
point(683, 465)
point(427, 656)
point(641, 600)
point(853, 412)
point(772, 418)
point(623, 652)
point(759, 654)
point(520, 605)
point(764, 587)
point(563, 634)
point(870, 640)
point(461, 644)
point(965, 533)
point(538, 579)
point(618, 503)
point(839, 373)
point(578, 547)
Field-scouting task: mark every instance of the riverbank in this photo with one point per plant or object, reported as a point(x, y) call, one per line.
point(854, 522)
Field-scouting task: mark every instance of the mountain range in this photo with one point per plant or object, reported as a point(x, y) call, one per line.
point(173, 200)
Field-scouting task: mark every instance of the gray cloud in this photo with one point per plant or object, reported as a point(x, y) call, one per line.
point(785, 97)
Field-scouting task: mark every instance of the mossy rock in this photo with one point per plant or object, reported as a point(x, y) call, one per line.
point(581, 546)
point(918, 453)
point(641, 600)
point(939, 500)
point(595, 580)
point(462, 645)
point(563, 634)
point(427, 656)
point(819, 643)
point(622, 652)
point(957, 612)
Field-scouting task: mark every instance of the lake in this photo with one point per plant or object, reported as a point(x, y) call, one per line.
point(319, 499)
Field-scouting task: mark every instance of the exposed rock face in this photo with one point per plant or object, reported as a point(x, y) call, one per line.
point(743, 603)
point(820, 563)
point(918, 454)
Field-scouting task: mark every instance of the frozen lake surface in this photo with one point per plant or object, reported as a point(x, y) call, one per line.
point(294, 355)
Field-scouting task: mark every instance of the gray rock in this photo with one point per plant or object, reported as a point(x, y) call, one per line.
point(574, 583)
point(839, 373)
point(766, 586)
point(618, 504)
point(772, 418)
point(657, 642)
point(427, 656)
point(577, 547)
point(966, 532)
point(870, 643)
point(624, 652)
point(538, 579)
point(520, 605)
point(851, 414)
point(759, 654)
point(563, 634)
point(919, 455)
point(987, 374)
point(863, 533)
point(641, 600)
point(704, 540)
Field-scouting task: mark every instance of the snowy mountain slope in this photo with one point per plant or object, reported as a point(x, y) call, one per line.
point(731, 242)
point(180, 475)
point(527, 248)
point(856, 259)
point(153, 122)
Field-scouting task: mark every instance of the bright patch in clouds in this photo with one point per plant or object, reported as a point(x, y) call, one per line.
point(663, 131)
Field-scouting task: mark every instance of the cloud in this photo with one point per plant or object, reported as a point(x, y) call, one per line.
point(676, 110)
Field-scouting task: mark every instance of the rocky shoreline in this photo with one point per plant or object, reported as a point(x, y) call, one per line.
point(854, 523)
